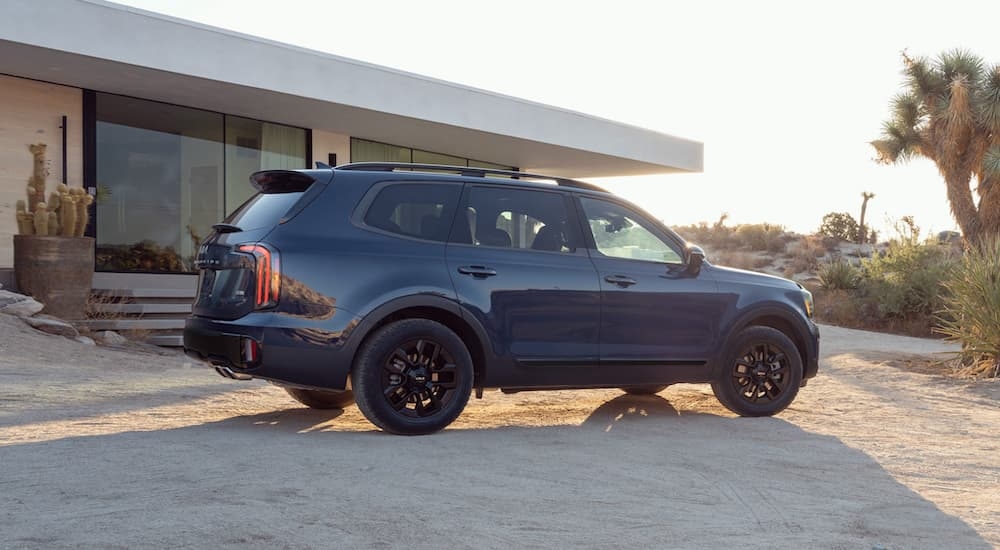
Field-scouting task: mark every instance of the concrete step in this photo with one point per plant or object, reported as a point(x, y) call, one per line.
point(178, 293)
point(112, 308)
point(166, 340)
point(134, 324)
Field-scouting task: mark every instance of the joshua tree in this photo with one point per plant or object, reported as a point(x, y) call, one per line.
point(949, 112)
point(862, 234)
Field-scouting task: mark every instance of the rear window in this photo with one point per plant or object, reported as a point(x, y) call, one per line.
point(263, 210)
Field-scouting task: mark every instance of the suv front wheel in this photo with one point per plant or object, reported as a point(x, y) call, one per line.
point(412, 377)
point(760, 374)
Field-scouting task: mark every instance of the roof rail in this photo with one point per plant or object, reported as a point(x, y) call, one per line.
point(472, 171)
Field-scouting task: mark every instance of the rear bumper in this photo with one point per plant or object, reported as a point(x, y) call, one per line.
point(307, 357)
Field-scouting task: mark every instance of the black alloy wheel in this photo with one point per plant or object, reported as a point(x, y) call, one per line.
point(413, 377)
point(761, 374)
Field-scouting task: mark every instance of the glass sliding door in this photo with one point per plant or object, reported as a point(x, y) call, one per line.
point(166, 173)
point(252, 145)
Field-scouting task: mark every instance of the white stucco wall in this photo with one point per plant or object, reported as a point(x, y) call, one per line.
point(324, 143)
point(31, 112)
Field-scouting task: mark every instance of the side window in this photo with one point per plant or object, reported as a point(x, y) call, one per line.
point(516, 218)
point(420, 210)
point(622, 233)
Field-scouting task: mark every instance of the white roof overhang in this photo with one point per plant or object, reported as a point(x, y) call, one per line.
point(112, 48)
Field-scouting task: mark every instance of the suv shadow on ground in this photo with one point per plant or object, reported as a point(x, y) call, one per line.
point(659, 477)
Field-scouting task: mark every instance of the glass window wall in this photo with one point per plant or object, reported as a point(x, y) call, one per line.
point(363, 150)
point(166, 173)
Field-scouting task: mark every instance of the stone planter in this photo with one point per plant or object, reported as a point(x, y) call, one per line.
point(56, 271)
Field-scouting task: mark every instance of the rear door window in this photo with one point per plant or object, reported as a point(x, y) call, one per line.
point(516, 218)
point(417, 210)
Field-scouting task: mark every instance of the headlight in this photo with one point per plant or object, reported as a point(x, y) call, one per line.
point(807, 297)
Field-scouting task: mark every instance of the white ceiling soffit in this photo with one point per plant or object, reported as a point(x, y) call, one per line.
point(113, 48)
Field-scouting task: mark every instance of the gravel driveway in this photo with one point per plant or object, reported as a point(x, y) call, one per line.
point(105, 448)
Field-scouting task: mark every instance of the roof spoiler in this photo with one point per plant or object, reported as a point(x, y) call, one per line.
point(281, 181)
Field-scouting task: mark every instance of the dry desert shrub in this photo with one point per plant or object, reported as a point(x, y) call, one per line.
point(805, 254)
point(735, 258)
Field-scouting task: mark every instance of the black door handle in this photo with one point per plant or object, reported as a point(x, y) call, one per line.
point(620, 280)
point(477, 271)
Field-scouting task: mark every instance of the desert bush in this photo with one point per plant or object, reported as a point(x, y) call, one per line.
point(761, 236)
point(839, 225)
point(907, 280)
point(735, 258)
point(971, 311)
point(805, 254)
point(839, 274)
point(716, 236)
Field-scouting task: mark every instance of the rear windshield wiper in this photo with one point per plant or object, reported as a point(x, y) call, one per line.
point(226, 228)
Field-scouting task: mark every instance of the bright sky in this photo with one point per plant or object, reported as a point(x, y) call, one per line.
point(785, 95)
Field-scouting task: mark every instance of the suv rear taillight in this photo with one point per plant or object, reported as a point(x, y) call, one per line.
point(267, 274)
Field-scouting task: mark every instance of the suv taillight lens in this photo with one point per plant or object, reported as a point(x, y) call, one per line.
point(267, 274)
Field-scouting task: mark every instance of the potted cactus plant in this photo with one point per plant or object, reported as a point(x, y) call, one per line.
point(53, 261)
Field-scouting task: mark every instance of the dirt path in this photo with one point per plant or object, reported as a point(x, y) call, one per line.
point(123, 449)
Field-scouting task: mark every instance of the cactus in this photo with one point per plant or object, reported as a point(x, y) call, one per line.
point(41, 218)
point(82, 214)
point(64, 214)
point(25, 222)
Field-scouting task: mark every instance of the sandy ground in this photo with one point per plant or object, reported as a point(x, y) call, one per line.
point(104, 448)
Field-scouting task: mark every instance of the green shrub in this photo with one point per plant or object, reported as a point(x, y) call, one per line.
point(839, 225)
point(907, 280)
point(839, 275)
point(971, 311)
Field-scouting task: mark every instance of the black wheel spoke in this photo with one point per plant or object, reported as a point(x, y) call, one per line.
point(434, 357)
point(398, 362)
point(397, 397)
point(418, 404)
point(420, 349)
point(435, 401)
point(444, 377)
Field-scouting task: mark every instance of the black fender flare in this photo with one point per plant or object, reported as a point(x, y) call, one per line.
point(378, 316)
point(786, 316)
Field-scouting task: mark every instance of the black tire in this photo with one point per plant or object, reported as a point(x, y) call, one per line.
point(318, 399)
point(644, 390)
point(760, 374)
point(412, 377)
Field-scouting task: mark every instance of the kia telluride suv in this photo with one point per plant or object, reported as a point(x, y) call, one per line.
point(406, 287)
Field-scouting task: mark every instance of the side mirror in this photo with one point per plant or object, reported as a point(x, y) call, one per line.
point(695, 257)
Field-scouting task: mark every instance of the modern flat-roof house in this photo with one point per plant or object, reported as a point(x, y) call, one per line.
point(162, 120)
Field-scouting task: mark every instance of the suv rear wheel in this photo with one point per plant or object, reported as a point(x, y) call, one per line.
point(318, 399)
point(412, 377)
point(761, 373)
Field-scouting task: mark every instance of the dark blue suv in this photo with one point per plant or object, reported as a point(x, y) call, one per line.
point(405, 287)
